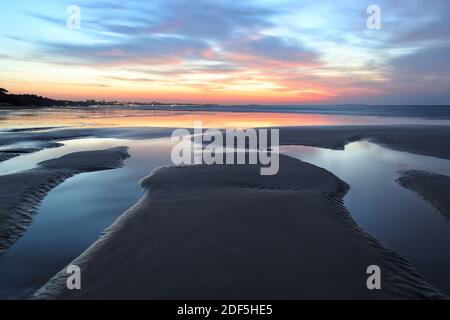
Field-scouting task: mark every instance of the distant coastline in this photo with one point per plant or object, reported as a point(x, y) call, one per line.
point(34, 101)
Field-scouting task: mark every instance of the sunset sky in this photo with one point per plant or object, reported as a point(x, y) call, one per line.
point(213, 51)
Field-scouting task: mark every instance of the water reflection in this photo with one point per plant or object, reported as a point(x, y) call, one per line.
point(74, 214)
point(122, 117)
point(390, 213)
point(31, 160)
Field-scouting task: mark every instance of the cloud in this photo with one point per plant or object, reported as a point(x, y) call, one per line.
point(177, 29)
point(269, 50)
point(135, 50)
point(425, 72)
point(425, 62)
point(212, 20)
point(271, 46)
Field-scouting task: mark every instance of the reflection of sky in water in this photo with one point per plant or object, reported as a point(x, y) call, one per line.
point(390, 213)
point(28, 161)
point(74, 214)
point(25, 145)
point(183, 119)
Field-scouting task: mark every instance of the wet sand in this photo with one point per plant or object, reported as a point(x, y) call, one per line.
point(49, 137)
point(21, 193)
point(226, 232)
point(427, 140)
point(419, 139)
point(432, 187)
point(53, 135)
point(8, 155)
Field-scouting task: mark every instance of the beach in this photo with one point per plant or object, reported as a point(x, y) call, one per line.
point(225, 231)
point(227, 156)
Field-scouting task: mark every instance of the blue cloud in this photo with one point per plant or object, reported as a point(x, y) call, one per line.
point(409, 52)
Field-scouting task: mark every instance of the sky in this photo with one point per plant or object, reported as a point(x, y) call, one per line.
point(233, 52)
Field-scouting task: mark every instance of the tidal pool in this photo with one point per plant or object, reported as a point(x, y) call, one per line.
point(395, 216)
point(74, 214)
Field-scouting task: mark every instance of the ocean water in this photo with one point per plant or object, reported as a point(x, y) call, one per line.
point(224, 116)
point(417, 111)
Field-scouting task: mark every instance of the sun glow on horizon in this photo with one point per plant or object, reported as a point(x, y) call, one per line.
point(110, 117)
point(266, 52)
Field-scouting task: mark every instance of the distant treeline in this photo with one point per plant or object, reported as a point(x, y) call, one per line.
point(23, 99)
point(32, 100)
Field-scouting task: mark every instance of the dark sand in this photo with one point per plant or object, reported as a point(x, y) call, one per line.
point(57, 134)
point(420, 139)
point(21, 193)
point(432, 187)
point(226, 232)
point(8, 155)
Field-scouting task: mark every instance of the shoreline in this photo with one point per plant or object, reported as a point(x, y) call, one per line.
point(368, 110)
